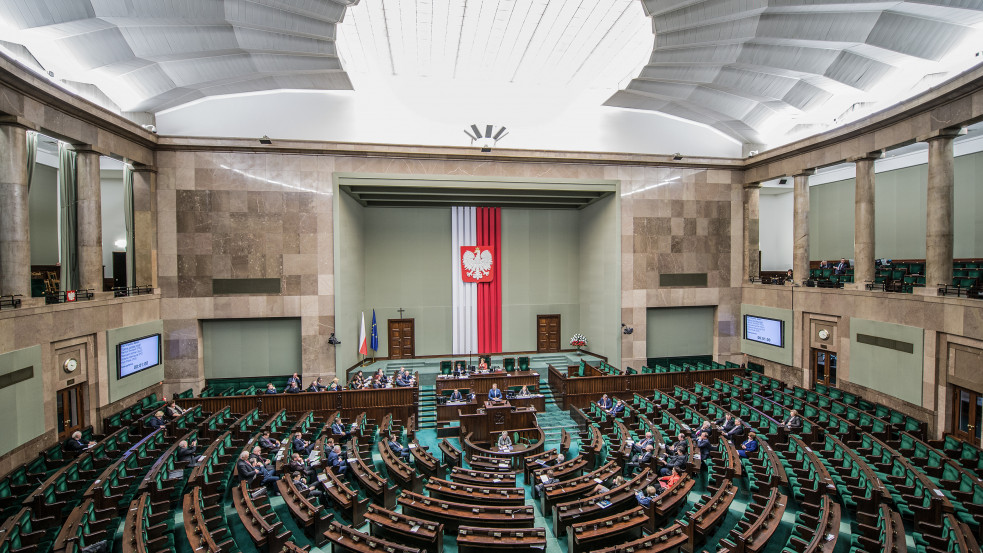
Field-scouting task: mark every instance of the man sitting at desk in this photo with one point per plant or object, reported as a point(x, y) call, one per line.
point(270, 388)
point(638, 446)
point(619, 407)
point(301, 445)
point(398, 449)
point(297, 464)
point(494, 394)
point(639, 459)
point(504, 442)
point(605, 402)
point(678, 460)
point(293, 389)
point(794, 422)
point(403, 379)
point(737, 432)
point(725, 424)
point(75, 444)
point(544, 480)
point(266, 442)
point(456, 395)
point(185, 452)
point(335, 461)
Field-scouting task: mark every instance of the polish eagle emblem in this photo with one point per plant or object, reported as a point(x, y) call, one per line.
point(476, 263)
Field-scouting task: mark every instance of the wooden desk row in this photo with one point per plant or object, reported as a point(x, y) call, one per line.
point(481, 383)
point(452, 411)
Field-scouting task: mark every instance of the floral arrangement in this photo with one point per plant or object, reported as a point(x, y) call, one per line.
point(578, 340)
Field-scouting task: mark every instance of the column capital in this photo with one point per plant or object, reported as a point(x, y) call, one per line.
point(870, 156)
point(17, 121)
point(946, 133)
point(141, 168)
point(803, 173)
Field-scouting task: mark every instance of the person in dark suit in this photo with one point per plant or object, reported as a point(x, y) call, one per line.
point(403, 379)
point(456, 396)
point(297, 464)
point(398, 449)
point(643, 458)
point(750, 445)
point(619, 407)
point(841, 267)
point(737, 432)
point(295, 379)
point(270, 388)
point(378, 382)
point(638, 446)
point(823, 264)
point(185, 452)
point(266, 442)
point(336, 462)
point(681, 446)
point(75, 444)
point(251, 472)
point(316, 386)
point(725, 424)
point(673, 461)
point(792, 423)
point(357, 382)
point(494, 394)
point(544, 480)
point(293, 389)
point(333, 387)
point(301, 484)
point(301, 445)
point(605, 402)
point(258, 459)
point(705, 427)
point(173, 411)
point(703, 442)
point(157, 421)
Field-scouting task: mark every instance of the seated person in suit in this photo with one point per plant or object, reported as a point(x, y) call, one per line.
point(601, 488)
point(504, 442)
point(456, 395)
point(338, 428)
point(294, 379)
point(737, 432)
point(403, 379)
point(681, 446)
point(705, 427)
point(792, 423)
point(459, 369)
point(645, 497)
point(157, 421)
point(185, 452)
point(398, 449)
point(301, 445)
point(297, 464)
point(75, 444)
point(524, 392)
point(750, 445)
point(173, 410)
point(841, 267)
point(605, 402)
point(823, 264)
point(256, 456)
point(266, 442)
point(544, 480)
point(494, 394)
point(619, 407)
point(638, 446)
point(293, 389)
point(251, 472)
point(301, 484)
point(334, 386)
point(674, 461)
point(703, 442)
point(336, 461)
point(270, 388)
point(666, 482)
point(636, 462)
point(725, 424)
point(357, 382)
point(482, 366)
point(316, 385)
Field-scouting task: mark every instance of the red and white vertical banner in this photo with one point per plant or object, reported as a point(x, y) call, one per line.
point(476, 246)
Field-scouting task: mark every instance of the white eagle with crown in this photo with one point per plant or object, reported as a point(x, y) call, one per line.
point(477, 263)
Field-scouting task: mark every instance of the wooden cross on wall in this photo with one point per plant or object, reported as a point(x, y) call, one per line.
point(400, 312)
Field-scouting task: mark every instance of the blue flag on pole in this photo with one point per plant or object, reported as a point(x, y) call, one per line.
point(375, 334)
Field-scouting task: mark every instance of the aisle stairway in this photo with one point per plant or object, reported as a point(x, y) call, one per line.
point(427, 412)
point(554, 420)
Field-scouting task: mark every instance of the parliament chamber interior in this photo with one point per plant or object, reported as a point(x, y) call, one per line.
point(697, 276)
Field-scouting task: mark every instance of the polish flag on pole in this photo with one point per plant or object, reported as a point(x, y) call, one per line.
point(363, 346)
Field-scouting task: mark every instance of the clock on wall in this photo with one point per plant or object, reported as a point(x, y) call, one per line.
point(824, 334)
point(71, 364)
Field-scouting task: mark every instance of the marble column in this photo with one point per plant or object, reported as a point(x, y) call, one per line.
point(15, 227)
point(800, 229)
point(145, 225)
point(939, 210)
point(89, 210)
point(863, 221)
point(751, 231)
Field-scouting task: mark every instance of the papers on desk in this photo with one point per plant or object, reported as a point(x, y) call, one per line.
point(604, 503)
point(322, 477)
point(599, 481)
point(544, 478)
point(415, 528)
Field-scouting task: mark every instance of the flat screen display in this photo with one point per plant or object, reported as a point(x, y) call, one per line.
point(764, 330)
point(138, 355)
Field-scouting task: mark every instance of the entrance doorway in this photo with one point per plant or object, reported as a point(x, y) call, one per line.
point(70, 410)
point(547, 333)
point(967, 415)
point(824, 367)
point(401, 342)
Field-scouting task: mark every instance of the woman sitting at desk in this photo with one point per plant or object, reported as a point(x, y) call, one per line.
point(482, 366)
point(504, 442)
point(524, 392)
point(494, 394)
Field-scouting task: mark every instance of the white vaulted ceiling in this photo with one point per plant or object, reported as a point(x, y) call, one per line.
point(764, 71)
point(149, 55)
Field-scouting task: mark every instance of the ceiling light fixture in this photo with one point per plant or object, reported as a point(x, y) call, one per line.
point(487, 139)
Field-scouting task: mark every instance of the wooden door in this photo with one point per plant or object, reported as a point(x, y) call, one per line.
point(70, 410)
point(967, 415)
point(401, 339)
point(547, 333)
point(824, 367)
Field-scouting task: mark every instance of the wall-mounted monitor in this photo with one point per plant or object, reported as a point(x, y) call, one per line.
point(764, 330)
point(138, 355)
